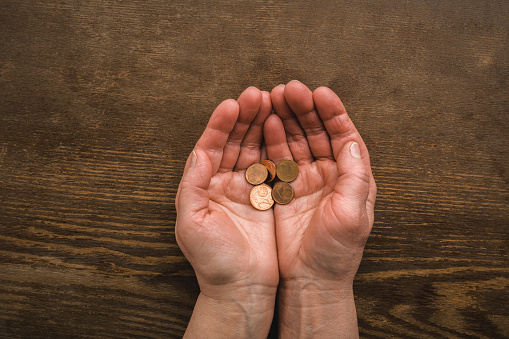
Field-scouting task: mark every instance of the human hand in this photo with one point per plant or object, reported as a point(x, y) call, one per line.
point(321, 234)
point(230, 245)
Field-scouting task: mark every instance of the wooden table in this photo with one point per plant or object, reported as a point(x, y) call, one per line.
point(102, 101)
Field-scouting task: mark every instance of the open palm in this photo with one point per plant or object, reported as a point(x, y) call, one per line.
point(323, 231)
point(227, 241)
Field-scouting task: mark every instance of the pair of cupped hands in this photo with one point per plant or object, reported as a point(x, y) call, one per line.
point(307, 251)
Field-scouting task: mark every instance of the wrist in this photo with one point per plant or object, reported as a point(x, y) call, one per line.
point(299, 294)
point(240, 312)
point(244, 292)
point(311, 308)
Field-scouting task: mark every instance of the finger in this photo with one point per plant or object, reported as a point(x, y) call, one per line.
point(300, 100)
point(213, 139)
point(250, 148)
point(352, 187)
point(341, 130)
point(193, 188)
point(337, 122)
point(370, 203)
point(264, 155)
point(191, 161)
point(275, 139)
point(249, 104)
point(295, 136)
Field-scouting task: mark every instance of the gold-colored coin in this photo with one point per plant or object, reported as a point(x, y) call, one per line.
point(282, 192)
point(261, 197)
point(256, 174)
point(287, 170)
point(271, 168)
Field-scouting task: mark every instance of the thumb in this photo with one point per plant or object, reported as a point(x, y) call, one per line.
point(354, 177)
point(192, 195)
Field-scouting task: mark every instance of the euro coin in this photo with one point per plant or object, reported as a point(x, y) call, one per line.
point(261, 197)
point(256, 174)
point(282, 193)
point(287, 170)
point(271, 168)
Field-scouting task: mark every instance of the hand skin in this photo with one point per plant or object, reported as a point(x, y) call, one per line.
point(230, 245)
point(321, 233)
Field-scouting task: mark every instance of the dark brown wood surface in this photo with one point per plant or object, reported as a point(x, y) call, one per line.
point(102, 101)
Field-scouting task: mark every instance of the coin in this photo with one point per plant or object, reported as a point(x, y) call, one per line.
point(282, 192)
point(256, 174)
point(271, 168)
point(261, 197)
point(287, 170)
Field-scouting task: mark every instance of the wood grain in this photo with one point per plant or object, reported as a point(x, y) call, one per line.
point(102, 101)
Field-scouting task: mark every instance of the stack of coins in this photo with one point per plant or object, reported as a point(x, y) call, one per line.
point(261, 174)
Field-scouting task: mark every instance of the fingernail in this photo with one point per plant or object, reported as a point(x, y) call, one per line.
point(281, 85)
point(355, 150)
point(193, 159)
